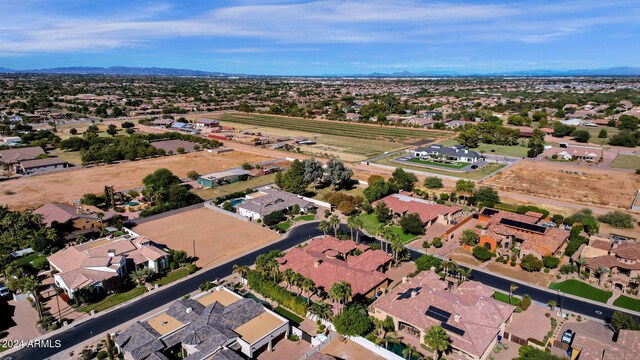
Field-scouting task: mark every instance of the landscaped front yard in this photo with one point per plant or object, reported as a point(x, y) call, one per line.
point(505, 298)
point(371, 223)
point(627, 303)
point(578, 288)
point(113, 300)
point(456, 165)
point(171, 277)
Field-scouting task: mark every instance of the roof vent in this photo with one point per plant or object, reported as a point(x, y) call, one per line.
point(111, 252)
point(189, 310)
point(456, 317)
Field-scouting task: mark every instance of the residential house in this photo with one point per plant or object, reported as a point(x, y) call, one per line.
point(586, 347)
point(430, 212)
point(162, 122)
point(528, 232)
point(207, 123)
point(450, 153)
point(78, 217)
point(327, 260)
point(471, 317)
point(91, 263)
point(224, 177)
point(13, 157)
point(620, 257)
point(215, 325)
point(43, 165)
point(268, 200)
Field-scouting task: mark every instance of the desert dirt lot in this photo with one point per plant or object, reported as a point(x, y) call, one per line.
point(596, 186)
point(31, 192)
point(218, 237)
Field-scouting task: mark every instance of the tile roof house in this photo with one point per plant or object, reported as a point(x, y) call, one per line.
point(327, 260)
point(622, 258)
point(452, 153)
point(26, 160)
point(625, 347)
point(429, 211)
point(91, 263)
point(268, 200)
point(467, 312)
point(41, 165)
point(79, 216)
point(218, 324)
point(502, 228)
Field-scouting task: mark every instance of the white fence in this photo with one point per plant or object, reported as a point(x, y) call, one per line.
point(317, 202)
point(210, 205)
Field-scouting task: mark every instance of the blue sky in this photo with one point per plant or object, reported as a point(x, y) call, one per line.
point(321, 37)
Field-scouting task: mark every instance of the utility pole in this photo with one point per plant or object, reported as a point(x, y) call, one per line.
point(194, 249)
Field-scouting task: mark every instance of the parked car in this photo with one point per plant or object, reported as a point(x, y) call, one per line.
point(567, 336)
point(4, 290)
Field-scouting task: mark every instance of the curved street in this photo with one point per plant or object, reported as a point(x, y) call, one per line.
point(104, 322)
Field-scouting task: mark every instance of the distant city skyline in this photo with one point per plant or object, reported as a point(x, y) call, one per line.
point(284, 37)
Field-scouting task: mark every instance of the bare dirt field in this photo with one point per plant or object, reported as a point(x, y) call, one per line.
point(218, 237)
point(31, 192)
point(590, 186)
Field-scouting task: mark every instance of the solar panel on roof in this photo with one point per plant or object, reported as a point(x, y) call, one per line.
point(530, 227)
point(453, 329)
point(407, 294)
point(438, 313)
point(489, 212)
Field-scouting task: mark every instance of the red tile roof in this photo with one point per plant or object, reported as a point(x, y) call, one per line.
point(318, 262)
point(428, 211)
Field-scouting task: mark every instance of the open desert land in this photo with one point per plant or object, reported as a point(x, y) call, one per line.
point(347, 141)
point(602, 187)
point(31, 192)
point(218, 237)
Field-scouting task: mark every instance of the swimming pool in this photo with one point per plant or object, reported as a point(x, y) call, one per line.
point(133, 203)
point(238, 201)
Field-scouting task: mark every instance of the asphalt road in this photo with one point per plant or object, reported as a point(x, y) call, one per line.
point(85, 330)
point(158, 298)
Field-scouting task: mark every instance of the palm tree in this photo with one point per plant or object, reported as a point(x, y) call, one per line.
point(334, 222)
point(287, 275)
point(100, 216)
point(141, 276)
point(451, 268)
point(552, 304)
point(382, 233)
point(80, 239)
point(297, 282)
point(32, 285)
point(241, 270)
point(359, 224)
point(273, 269)
point(341, 293)
point(351, 225)
point(600, 273)
point(323, 226)
point(383, 327)
point(321, 310)
point(397, 247)
point(309, 287)
point(581, 262)
point(512, 288)
point(438, 340)
point(408, 351)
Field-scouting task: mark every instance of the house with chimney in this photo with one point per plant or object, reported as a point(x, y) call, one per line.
point(73, 216)
point(620, 257)
point(430, 212)
point(91, 263)
point(474, 321)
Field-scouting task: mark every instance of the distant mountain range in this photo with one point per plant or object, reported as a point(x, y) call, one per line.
point(152, 71)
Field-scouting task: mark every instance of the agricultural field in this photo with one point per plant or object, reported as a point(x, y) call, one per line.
point(604, 187)
point(628, 162)
point(33, 191)
point(519, 150)
point(338, 139)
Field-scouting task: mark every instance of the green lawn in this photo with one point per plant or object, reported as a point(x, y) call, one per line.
point(505, 298)
point(171, 277)
point(370, 224)
point(307, 217)
point(472, 175)
point(288, 315)
point(519, 150)
point(28, 259)
point(113, 300)
point(457, 165)
point(629, 162)
point(254, 182)
point(627, 303)
point(283, 226)
point(72, 157)
point(581, 289)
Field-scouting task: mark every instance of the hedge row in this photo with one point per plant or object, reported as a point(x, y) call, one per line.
point(271, 290)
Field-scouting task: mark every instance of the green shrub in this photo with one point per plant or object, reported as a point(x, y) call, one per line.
point(191, 268)
point(271, 290)
point(40, 263)
point(353, 321)
point(173, 265)
point(531, 263)
point(102, 355)
point(546, 270)
point(525, 302)
point(481, 253)
point(550, 261)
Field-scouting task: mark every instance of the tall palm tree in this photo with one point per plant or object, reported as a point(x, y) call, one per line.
point(351, 225)
point(274, 269)
point(552, 304)
point(381, 232)
point(323, 226)
point(287, 275)
point(600, 273)
point(100, 216)
point(241, 270)
point(512, 288)
point(408, 351)
point(309, 287)
point(140, 276)
point(359, 225)
point(321, 310)
point(341, 293)
point(297, 282)
point(32, 285)
point(334, 222)
point(397, 247)
point(580, 263)
point(438, 340)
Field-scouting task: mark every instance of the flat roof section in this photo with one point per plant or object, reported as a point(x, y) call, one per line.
point(223, 297)
point(164, 324)
point(259, 327)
